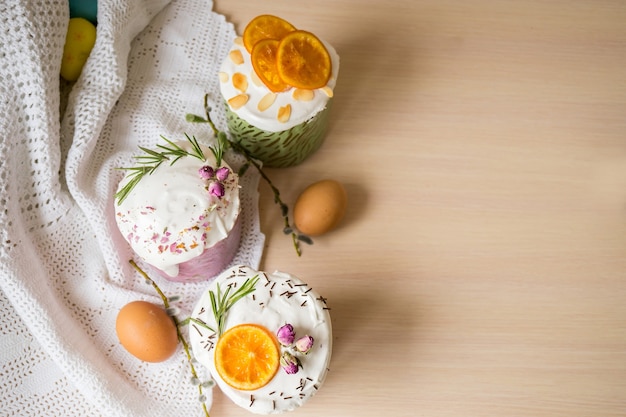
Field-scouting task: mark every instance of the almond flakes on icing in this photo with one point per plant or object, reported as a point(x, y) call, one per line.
point(284, 113)
point(267, 119)
point(255, 79)
point(223, 76)
point(240, 82)
point(239, 41)
point(238, 101)
point(236, 56)
point(302, 94)
point(266, 101)
point(327, 90)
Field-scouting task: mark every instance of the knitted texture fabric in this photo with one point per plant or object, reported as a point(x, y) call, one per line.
point(64, 270)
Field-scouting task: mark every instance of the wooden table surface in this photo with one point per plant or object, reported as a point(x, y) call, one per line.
point(480, 269)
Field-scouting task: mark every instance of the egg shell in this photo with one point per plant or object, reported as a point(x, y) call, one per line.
point(146, 331)
point(79, 41)
point(320, 207)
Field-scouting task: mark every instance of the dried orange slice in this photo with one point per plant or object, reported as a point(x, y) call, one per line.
point(247, 356)
point(265, 26)
point(263, 59)
point(303, 60)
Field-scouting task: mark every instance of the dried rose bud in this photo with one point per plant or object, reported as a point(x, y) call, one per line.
point(222, 173)
point(206, 172)
point(290, 363)
point(304, 344)
point(216, 189)
point(286, 335)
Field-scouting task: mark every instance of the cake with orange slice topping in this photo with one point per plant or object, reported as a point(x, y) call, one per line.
point(277, 82)
point(266, 338)
point(178, 209)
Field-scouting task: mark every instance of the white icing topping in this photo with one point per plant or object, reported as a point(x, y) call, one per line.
point(267, 119)
point(169, 217)
point(278, 299)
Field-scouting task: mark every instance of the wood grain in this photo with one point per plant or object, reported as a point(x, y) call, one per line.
point(481, 268)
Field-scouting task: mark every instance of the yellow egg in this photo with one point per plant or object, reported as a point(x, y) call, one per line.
point(320, 207)
point(80, 39)
point(146, 331)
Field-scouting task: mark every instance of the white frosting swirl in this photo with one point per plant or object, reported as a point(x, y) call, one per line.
point(278, 299)
point(301, 110)
point(169, 217)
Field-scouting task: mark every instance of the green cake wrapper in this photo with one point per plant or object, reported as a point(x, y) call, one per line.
point(280, 149)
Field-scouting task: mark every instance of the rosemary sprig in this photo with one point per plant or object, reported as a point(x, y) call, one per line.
point(223, 142)
point(197, 322)
point(218, 151)
point(152, 159)
point(223, 301)
point(182, 340)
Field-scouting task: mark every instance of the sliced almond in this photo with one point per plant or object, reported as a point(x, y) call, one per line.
point(236, 56)
point(255, 79)
point(302, 94)
point(238, 101)
point(223, 76)
point(240, 82)
point(284, 113)
point(266, 101)
point(327, 90)
point(239, 41)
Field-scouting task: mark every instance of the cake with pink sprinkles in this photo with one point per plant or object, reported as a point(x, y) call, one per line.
point(179, 210)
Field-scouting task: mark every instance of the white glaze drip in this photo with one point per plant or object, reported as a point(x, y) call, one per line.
point(170, 218)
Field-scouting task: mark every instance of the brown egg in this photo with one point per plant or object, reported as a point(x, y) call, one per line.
point(320, 207)
point(146, 331)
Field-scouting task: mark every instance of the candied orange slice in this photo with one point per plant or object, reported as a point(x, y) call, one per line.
point(303, 61)
point(265, 26)
point(247, 356)
point(263, 59)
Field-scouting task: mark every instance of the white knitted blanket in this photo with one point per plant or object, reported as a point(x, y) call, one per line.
point(64, 271)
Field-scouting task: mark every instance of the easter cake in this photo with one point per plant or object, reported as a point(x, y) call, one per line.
point(266, 338)
point(179, 210)
point(277, 82)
